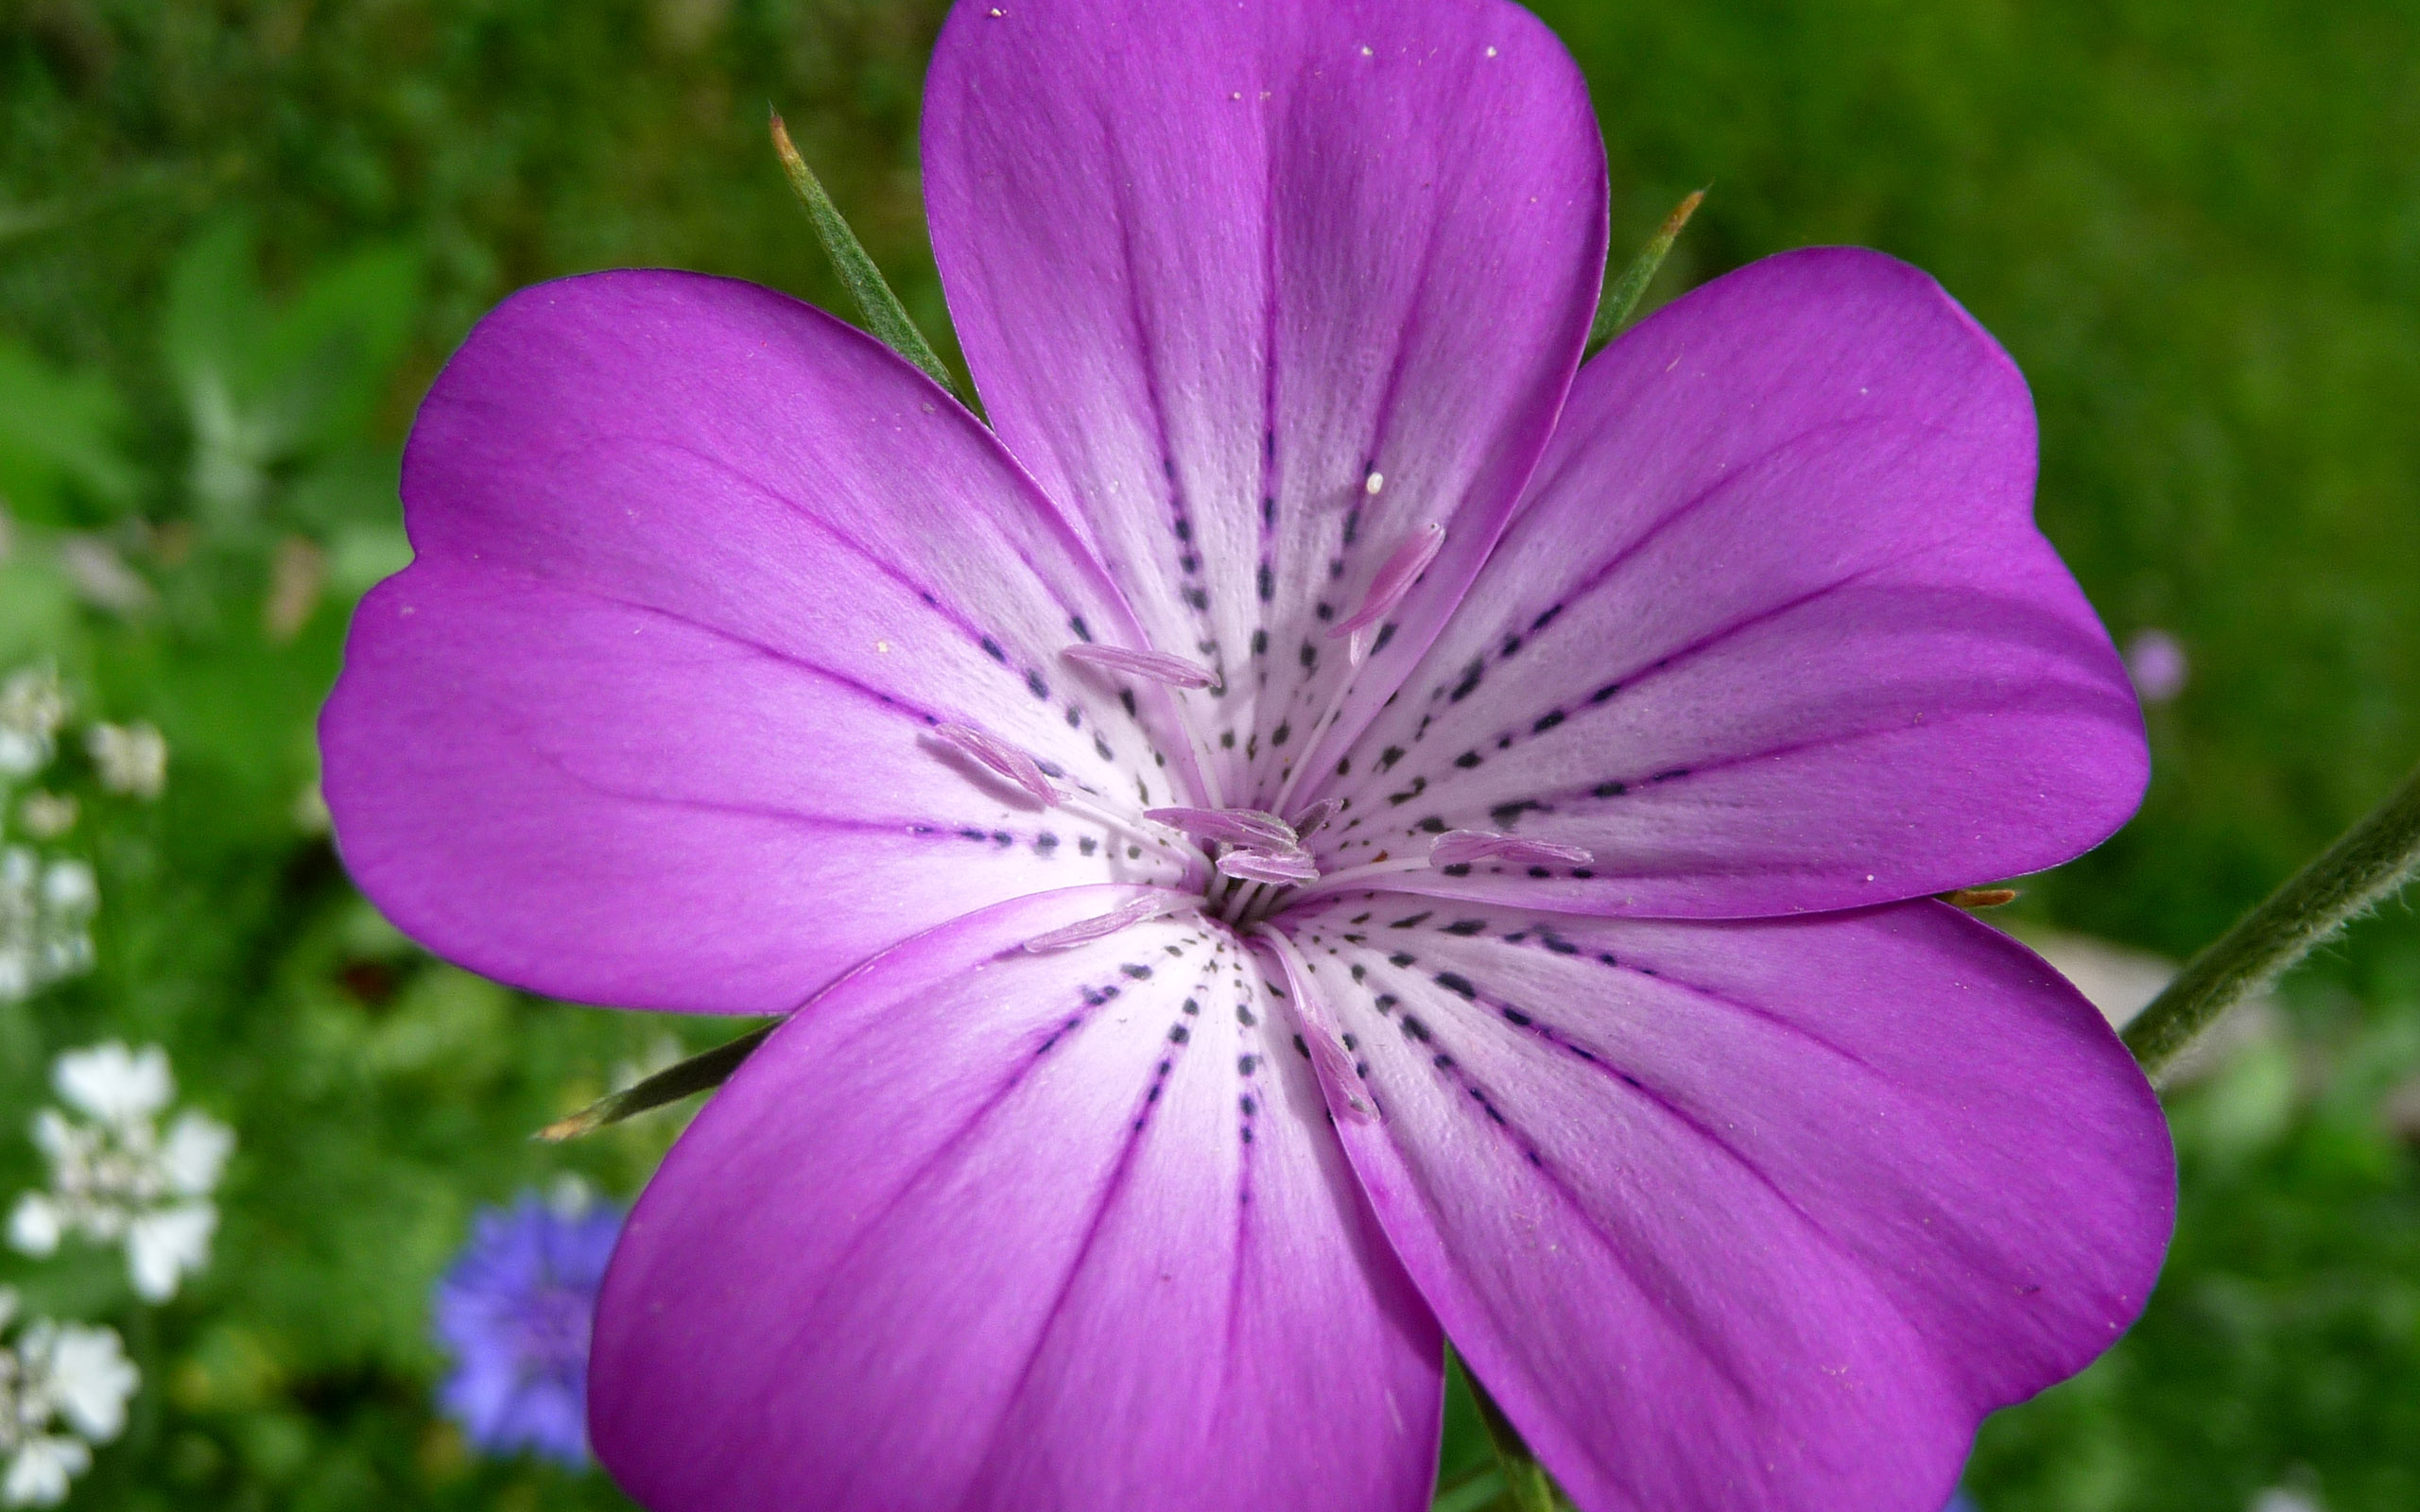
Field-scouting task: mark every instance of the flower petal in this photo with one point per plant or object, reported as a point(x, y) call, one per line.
point(981, 1228)
point(1774, 631)
point(1761, 1215)
point(648, 721)
point(1260, 289)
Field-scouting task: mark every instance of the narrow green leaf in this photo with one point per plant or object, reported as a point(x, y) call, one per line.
point(1613, 311)
point(2366, 864)
point(669, 1084)
point(1526, 1486)
point(884, 315)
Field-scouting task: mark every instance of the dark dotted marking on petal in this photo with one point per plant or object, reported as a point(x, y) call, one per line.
point(1515, 1017)
point(991, 648)
point(1353, 519)
point(1190, 563)
point(1419, 785)
point(1305, 1049)
point(1459, 868)
point(1505, 813)
point(1401, 958)
point(1386, 1002)
point(1456, 983)
point(1183, 528)
point(1465, 926)
point(1243, 1014)
point(1414, 922)
point(1356, 939)
point(1246, 1065)
point(1345, 767)
point(1268, 509)
point(1511, 643)
point(1444, 1061)
point(1192, 1006)
point(1350, 1043)
point(1605, 692)
point(1433, 824)
point(1281, 735)
point(1386, 633)
point(1388, 758)
point(1546, 721)
point(1036, 686)
point(1471, 678)
point(1179, 1034)
point(1545, 619)
point(1609, 790)
point(1360, 972)
point(1308, 655)
point(1359, 919)
point(1670, 773)
point(1138, 972)
point(1581, 874)
point(1075, 717)
point(1414, 1029)
point(1133, 853)
point(1198, 598)
point(1003, 839)
point(1087, 844)
point(1226, 740)
point(1607, 958)
point(1100, 748)
point(1260, 642)
point(1051, 1042)
point(1468, 760)
point(973, 834)
point(1266, 582)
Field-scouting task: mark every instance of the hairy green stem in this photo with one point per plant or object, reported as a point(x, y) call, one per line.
point(2372, 859)
point(884, 315)
point(694, 1074)
point(1614, 310)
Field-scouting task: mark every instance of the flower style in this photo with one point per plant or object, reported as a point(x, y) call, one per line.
point(73, 1376)
point(1324, 833)
point(114, 1176)
point(515, 1311)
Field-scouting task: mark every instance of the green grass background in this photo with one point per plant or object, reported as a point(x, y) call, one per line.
point(2196, 225)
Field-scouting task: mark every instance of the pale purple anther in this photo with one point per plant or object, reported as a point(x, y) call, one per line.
point(1253, 827)
point(1154, 665)
point(1460, 848)
point(1279, 867)
point(1394, 578)
point(999, 757)
point(1311, 820)
point(1084, 930)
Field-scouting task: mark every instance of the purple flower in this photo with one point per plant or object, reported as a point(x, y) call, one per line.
point(1536, 947)
point(2155, 660)
point(515, 1313)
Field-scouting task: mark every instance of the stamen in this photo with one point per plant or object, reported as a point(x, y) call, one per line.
point(1251, 828)
point(1460, 848)
point(1395, 580)
point(1312, 819)
point(1158, 667)
point(1085, 931)
point(999, 757)
point(1269, 866)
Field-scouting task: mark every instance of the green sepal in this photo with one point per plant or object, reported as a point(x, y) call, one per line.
point(694, 1074)
point(884, 315)
point(1613, 311)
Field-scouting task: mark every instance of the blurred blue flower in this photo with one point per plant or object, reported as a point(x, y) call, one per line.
point(515, 1311)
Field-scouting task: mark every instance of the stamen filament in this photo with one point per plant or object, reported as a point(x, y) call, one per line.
point(1243, 827)
point(1329, 1057)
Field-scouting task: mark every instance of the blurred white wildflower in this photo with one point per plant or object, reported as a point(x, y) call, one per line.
point(46, 910)
point(63, 1388)
point(46, 816)
point(115, 1177)
point(33, 707)
point(131, 759)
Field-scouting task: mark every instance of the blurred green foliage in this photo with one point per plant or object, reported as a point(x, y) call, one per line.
point(238, 236)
